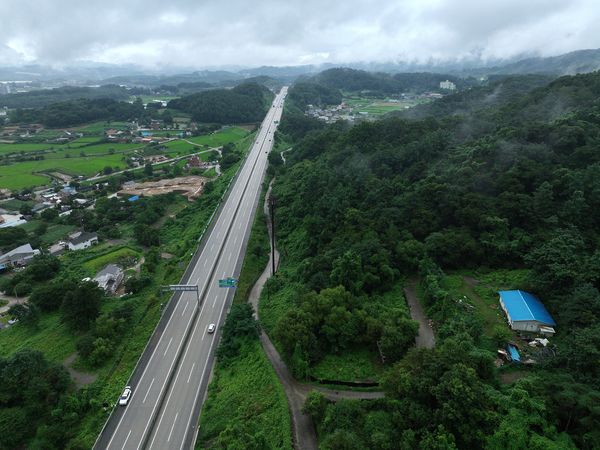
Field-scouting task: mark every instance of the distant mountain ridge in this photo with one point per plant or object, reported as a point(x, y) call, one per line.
point(580, 61)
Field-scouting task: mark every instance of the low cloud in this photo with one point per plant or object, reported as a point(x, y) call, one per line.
point(235, 32)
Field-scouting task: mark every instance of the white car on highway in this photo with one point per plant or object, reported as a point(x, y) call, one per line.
point(125, 396)
point(211, 328)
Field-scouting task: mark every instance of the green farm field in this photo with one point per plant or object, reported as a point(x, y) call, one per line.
point(27, 174)
point(75, 159)
point(230, 134)
point(377, 106)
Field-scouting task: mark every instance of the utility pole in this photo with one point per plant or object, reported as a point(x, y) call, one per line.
point(272, 214)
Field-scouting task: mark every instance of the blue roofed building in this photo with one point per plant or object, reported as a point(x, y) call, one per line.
point(525, 312)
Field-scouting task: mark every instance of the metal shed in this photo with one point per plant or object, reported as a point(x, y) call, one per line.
point(524, 311)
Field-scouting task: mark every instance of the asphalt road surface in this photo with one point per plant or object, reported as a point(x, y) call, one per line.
point(168, 393)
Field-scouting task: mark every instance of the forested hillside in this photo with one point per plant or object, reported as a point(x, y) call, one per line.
point(360, 208)
point(44, 97)
point(498, 91)
point(76, 112)
point(310, 93)
point(353, 80)
point(246, 102)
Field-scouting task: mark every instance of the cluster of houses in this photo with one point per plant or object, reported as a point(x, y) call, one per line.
point(23, 130)
point(113, 135)
point(65, 137)
point(109, 278)
point(332, 113)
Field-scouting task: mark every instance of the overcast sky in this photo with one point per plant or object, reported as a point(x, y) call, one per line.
point(210, 33)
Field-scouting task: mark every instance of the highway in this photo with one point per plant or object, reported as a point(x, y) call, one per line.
point(169, 387)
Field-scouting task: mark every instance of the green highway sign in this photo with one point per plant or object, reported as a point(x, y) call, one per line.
point(228, 283)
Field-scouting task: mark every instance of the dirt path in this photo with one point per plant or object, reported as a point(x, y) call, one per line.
point(425, 338)
point(11, 301)
point(283, 156)
point(305, 436)
point(81, 379)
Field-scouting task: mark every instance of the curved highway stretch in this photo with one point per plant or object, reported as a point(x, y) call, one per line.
point(170, 381)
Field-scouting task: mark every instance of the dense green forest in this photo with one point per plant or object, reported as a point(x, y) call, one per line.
point(511, 185)
point(499, 90)
point(354, 80)
point(309, 93)
point(45, 97)
point(244, 103)
point(76, 112)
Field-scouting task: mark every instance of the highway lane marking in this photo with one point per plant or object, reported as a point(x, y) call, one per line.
point(142, 377)
point(176, 377)
point(163, 386)
point(152, 359)
point(192, 369)
point(168, 345)
point(215, 302)
point(205, 261)
point(202, 377)
point(126, 439)
point(212, 247)
point(184, 309)
point(172, 426)
point(185, 356)
point(229, 257)
point(204, 334)
point(148, 391)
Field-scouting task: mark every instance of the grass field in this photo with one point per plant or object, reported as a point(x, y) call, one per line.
point(75, 159)
point(483, 295)
point(25, 174)
point(51, 337)
point(114, 256)
point(360, 364)
point(26, 148)
point(228, 134)
point(246, 395)
point(15, 205)
point(54, 232)
point(97, 128)
point(378, 107)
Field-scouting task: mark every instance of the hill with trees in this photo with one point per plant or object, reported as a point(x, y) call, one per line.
point(76, 112)
point(244, 103)
point(353, 80)
point(45, 97)
point(580, 61)
point(397, 198)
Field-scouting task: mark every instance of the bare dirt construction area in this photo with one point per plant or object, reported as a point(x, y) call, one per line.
point(190, 187)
